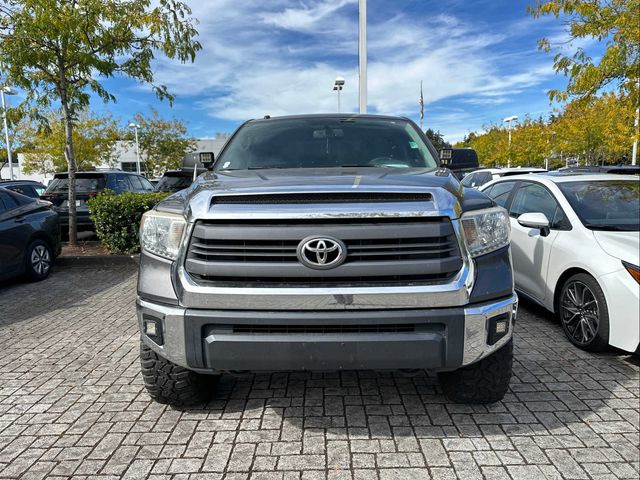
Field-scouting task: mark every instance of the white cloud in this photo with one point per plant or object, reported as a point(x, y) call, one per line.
point(281, 57)
point(304, 17)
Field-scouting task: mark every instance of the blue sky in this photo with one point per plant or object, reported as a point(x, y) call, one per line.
point(478, 60)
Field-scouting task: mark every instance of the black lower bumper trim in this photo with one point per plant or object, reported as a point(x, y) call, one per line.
point(389, 339)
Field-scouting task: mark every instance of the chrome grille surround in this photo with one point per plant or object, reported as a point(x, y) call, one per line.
point(455, 291)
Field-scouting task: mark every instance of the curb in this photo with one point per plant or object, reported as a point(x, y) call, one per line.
point(96, 260)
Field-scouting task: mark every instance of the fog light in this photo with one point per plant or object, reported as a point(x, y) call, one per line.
point(498, 328)
point(150, 328)
point(153, 329)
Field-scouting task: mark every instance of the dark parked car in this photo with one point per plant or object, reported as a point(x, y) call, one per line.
point(29, 236)
point(30, 188)
point(174, 180)
point(90, 184)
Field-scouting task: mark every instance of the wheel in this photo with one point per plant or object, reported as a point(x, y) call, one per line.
point(38, 260)
point(485, 381)
point(172, 384)
point(583, 313)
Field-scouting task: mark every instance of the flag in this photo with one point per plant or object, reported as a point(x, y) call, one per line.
point(421, 107)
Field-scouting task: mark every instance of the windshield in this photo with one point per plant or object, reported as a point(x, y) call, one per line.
point(326, 143)
point(605, 205)
point(173, 183)
point(84, 184)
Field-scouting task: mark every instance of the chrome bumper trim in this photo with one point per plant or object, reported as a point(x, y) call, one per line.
point(475, 328)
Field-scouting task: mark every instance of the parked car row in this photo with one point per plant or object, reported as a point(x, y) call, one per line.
point(90, 184)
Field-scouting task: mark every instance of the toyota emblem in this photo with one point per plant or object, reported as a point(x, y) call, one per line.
point(322, 253)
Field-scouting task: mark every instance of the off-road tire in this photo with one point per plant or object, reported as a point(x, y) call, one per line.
point(486, 381)
point(171, 384)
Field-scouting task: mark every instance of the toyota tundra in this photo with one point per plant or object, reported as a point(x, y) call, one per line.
point(326, 242)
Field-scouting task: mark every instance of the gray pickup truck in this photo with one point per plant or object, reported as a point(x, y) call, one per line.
point(326, 242)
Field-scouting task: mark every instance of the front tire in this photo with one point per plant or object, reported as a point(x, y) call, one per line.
point(38, 260)
point(486, 381)
point(583, 313)
point(171, 384)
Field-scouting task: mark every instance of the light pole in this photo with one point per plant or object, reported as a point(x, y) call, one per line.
point(337, 87)
point(135, 127)
point(362, 54)
point(7, 91)
point(510, 120)
point(634, 154)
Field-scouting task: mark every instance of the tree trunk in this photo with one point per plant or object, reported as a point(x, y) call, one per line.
point(68, 151)
point(71, 167)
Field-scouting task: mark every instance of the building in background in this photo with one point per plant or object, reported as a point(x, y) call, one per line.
point(124, 158)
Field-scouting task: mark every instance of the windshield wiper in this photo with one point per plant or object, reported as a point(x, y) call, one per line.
point(613, 228)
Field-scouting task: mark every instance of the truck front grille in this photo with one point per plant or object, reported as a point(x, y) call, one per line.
point(379, 252)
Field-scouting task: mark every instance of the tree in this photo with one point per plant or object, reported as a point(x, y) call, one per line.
point(63, 50)
point(94, 142)
point(614, 22)
point(437, 139)
point(163, 143)
point(595, 131)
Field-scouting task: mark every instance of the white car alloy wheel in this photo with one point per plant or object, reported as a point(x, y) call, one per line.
point(579, 312)
point(583, 312)
point(40, 260)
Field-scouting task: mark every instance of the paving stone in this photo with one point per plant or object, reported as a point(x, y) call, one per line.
point(73, 405)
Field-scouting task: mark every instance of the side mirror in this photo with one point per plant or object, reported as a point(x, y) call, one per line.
point(207, 159)
point(535, 220)
point(459, 160)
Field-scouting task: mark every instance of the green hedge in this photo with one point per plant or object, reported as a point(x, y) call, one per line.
point(117, 218)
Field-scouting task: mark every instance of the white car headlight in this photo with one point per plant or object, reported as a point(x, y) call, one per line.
point(486, 230)
point(161, 233)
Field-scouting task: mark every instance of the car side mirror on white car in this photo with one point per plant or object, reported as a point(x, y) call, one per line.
point(535, 220)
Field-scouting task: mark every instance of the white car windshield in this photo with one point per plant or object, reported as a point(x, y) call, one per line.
point(605, 204)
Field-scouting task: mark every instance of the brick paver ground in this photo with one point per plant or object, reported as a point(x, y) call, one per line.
point(72, 405)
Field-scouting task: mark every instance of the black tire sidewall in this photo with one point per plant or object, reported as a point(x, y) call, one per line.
point(600, 341)
point(30, 272)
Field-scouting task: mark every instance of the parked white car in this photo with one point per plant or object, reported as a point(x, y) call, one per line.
point(576, 250)
point(478, 178)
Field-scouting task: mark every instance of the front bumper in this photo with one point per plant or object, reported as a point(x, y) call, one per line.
point(436, 339)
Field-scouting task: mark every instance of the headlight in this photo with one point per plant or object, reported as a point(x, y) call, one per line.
point(486, 230)
point(161, 233)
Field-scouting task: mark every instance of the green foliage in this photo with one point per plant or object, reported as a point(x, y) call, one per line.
point(437, 139)
point(63, 50)
point(94, 140)
point(163, 143)
point(593, 132)
point(615, 24)
point(117, 218)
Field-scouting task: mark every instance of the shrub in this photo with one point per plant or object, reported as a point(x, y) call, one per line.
point(117, 218)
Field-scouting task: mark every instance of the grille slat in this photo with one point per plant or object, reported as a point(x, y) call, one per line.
point(302, 198)
point(403, 251)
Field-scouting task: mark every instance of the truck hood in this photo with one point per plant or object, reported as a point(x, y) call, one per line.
point(448, 195)
point(622, 245)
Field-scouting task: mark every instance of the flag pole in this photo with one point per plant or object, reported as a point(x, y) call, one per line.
point(421, 108)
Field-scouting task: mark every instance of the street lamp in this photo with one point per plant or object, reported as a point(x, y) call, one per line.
point(5, 90)
point(135, 126)
point(510, 120)
point(337, 87)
